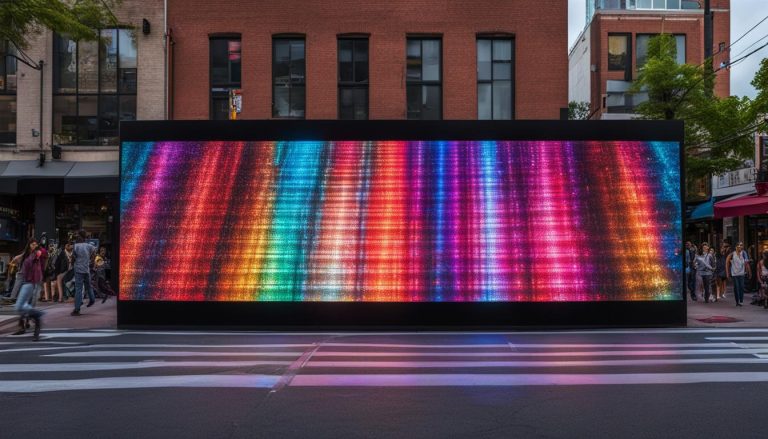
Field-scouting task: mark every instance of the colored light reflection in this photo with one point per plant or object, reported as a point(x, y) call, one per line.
point(397, 221)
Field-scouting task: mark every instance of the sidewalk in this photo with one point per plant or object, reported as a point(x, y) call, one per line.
point(99, 316)
point(725, 314)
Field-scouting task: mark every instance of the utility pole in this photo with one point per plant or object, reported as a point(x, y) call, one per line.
point(709, 79)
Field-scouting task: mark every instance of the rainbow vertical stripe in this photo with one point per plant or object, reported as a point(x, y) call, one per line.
point(400, 221)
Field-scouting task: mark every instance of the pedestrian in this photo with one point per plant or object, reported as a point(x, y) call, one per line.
point(690, 270)
point(737, 268)
point(83, 254)
point(49, 284)
point(32, 276)
point(705, 266)
point(764, 280)
point(63, 266)
point(720, 275)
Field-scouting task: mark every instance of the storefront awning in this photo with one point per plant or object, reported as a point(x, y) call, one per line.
point(703, 211)
point(752, 204)
point(58, 177)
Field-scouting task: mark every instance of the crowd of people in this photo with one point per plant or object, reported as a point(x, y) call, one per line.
point(43, 272)
point(709, 272)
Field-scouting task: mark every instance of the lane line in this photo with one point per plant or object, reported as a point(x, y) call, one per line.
point(174, 354)
point(80, 367)
point(141, 382)
point(620, 353)
point(461, 380)
point(579, 363)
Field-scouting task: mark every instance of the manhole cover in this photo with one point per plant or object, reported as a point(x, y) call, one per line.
point(720, 319)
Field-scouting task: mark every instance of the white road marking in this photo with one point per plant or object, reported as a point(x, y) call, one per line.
point(79, 367)
point(175, 354)
point(47, 335)
point(621, 353)
point(141, 382)
point(424, 380)
point(481, 364)
point(738, 338)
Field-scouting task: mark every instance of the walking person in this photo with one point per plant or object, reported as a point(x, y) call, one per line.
point(705, 266)
point(720, 275)
point(63, 265)
point(83, 254)
point(737, 268)
point(763, 265)
point(690, 256)
point(32, 276)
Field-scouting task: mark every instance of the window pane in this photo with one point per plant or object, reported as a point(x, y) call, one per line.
point(483, 101)
point(108, 120)
point(430, 60)
point(297, 101)
point(673, 4)
point(281, 105)
point(65, 69)
point(659, 4)
point(128, 61)
point(219, 106)
point(346, 107)
point(219, 62)
point(680, 45)
point(127, 107)
point(431, 106)
point(234, 56)
point(617, 52)
point(64, 120)
point(644, 4)
point(502, 100)
point(87, 120)
point(297, 61)
point(345, 60)
point(8, 119)
point(281, 72)
point(361, 60)
point(502, 70)
point(484, 60)
point(502, 50)
point(108, 60)
point(360, 96)
point(641, 46)
point(413, 61)
point(413, 99)
point(88, 67)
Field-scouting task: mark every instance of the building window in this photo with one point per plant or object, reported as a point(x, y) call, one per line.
point(494, 78)
point(618, 51)
point(226, 65)
point(641, 47)
point(424, 88)
point(7, 93)
point(94, 87)
point(353, 78)
point(288, 78)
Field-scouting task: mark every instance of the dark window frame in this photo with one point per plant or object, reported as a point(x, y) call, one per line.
point(228, 85)
point(627, 68)
point(651, 35)
point(421, 82)
point(291, 86)
point(8, 137)
point(353, 85)
point(98, 95)
point(493, 38)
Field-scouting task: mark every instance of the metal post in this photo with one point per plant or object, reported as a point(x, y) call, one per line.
point(708, 69)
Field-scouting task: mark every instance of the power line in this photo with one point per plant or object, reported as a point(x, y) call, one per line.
point(751, 45)
point(747, 32)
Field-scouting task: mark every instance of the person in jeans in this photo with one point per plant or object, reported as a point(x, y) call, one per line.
point(705, 267)
point(32, 276)
point(736, 267)
point(83, 254)
point(690, 257)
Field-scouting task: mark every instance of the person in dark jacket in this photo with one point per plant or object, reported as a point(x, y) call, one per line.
point(63, 267)
point(32, 277)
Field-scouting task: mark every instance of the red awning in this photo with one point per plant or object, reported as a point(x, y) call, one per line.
point(752, 204)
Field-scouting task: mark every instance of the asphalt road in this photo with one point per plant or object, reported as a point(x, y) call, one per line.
point(677, 383)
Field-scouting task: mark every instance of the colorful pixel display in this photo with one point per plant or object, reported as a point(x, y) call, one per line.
point(400, 221)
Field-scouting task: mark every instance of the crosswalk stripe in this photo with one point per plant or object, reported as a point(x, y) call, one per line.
point(141, 382)
point(483, 364)
point(620, 353)
point(173, 354)
point(79, 367)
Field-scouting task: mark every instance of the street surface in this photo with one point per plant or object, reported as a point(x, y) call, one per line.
point(681, 383)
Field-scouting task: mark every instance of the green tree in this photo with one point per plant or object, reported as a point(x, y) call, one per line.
point(718, 131)
point(22, 20)
point(578, 110)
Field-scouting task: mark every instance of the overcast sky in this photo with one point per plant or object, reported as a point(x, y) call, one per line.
point(744, 15)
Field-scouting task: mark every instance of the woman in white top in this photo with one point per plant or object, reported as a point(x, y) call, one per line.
point(737, 268)
point(705, 267)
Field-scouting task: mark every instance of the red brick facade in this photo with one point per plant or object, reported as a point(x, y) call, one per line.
point(541, 61)
point(689, 23)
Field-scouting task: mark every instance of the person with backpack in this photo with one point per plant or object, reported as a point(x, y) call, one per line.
point(705, 267)
point(737, 267)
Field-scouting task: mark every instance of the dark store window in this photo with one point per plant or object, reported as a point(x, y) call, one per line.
point(94, 87)
point(226, 65)
point(424, 79)
point(7, 94)
point(288, 78)
point(353, 78)
point(495, 75)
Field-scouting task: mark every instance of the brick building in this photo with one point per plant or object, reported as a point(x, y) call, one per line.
point(605, 58)
point(424, 59)
point(87, 89)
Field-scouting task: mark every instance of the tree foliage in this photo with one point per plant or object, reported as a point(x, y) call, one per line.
point(21, 20)
point(578, 110)
point(718, 131)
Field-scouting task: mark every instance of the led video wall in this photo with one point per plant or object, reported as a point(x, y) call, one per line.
point(400, 221)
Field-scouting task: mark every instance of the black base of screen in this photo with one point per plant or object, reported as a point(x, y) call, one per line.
point(374, 316)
